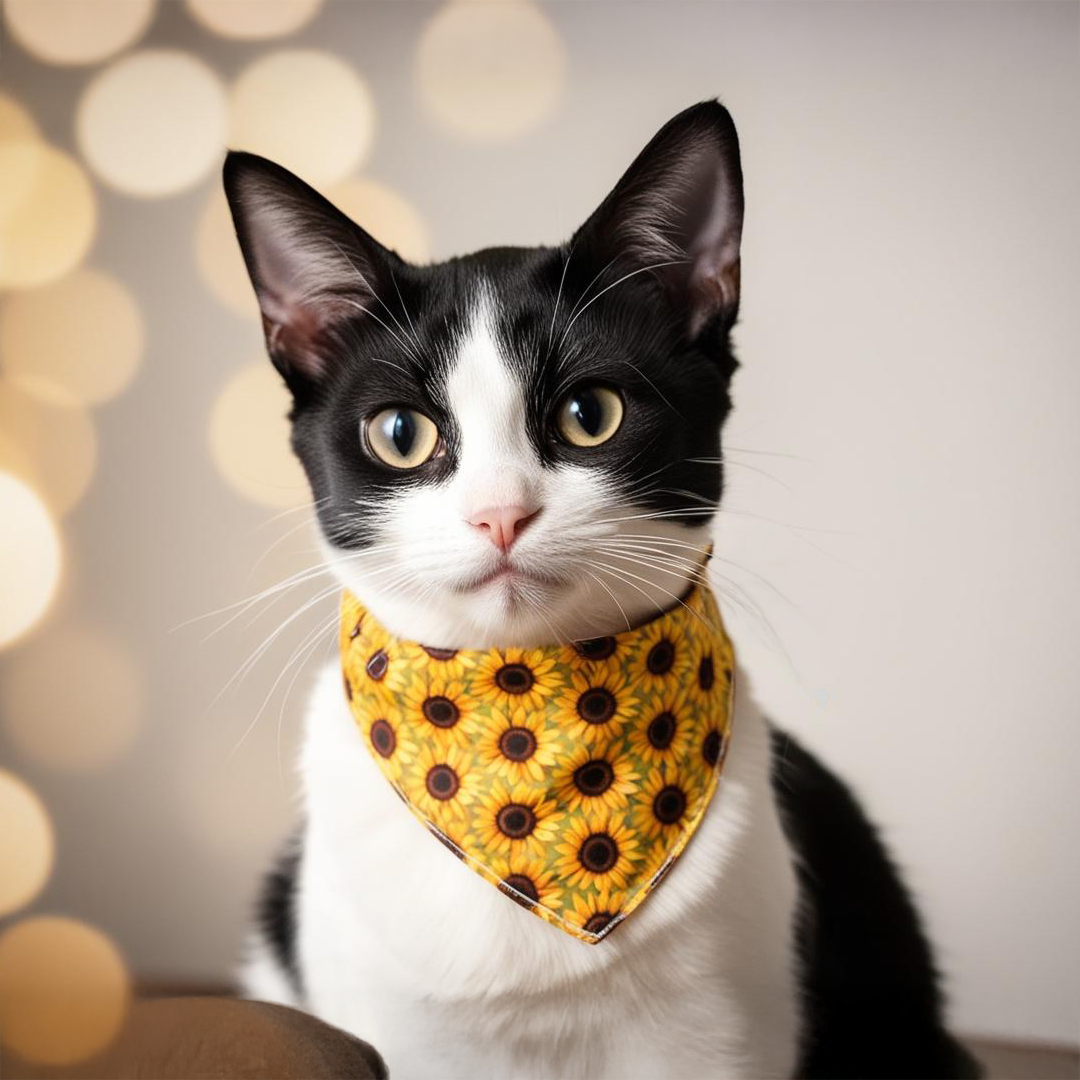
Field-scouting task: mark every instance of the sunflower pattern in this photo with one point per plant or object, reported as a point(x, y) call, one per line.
point(569, 776)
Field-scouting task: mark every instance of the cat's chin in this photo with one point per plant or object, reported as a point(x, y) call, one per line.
point(509, 606)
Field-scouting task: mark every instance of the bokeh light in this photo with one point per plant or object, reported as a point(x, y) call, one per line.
point(306, 110)
point(27, 843)
point(253, 21)
point(76, 31)
point(48, 440)
point(153, 123)
point(490, 71)
point(74, 700)
point(249, 438)
point(30, 559)
point(64, 990)
point(386, 214)
point(15, 121)
point(82, 334)
point(218, 258)
point(48, 215)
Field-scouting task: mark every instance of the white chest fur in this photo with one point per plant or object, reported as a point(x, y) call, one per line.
point(406, 947)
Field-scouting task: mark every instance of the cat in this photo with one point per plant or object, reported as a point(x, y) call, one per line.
point(453, 421)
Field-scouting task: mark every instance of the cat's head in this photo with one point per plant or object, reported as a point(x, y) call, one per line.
point(520, 445)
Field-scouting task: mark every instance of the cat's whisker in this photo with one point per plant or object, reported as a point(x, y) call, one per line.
point(386, 307)
point(313, 505)
point(313, 636)
point(608, 288)
point(401, 301)
point(291, 580)
point(242, 671)
point(558, 296)
point(615, 599)
point(585, 292)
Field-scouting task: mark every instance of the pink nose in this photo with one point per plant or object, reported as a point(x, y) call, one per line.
point(503, 524)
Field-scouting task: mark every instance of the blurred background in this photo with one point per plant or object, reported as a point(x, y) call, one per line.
point(898, 526)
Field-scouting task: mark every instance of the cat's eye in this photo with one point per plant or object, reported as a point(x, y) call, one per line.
point(402, 438)
point(589, 415)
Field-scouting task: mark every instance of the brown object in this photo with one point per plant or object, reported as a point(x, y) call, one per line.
point(207, 1038)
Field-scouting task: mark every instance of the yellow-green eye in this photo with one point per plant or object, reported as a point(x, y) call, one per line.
point(589, 415)
point(403, 438)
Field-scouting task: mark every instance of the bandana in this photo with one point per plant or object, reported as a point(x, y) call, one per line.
point(569, 776)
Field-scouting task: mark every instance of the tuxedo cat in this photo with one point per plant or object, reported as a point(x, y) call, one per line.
point(519, 447)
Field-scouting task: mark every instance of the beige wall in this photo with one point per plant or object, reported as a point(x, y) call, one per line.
point(902, 506)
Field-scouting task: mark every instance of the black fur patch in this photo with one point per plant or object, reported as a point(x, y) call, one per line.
point(277, 911)
point(872, 1006)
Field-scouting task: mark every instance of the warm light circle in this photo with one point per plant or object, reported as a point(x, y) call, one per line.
point(20, 159)
point(47, 217)
point(76, 31)
point(249, 438)
point(387, 215)
point(27, 843)
point(306, 110)
point(64, 990)
point(490, 71)
point(250, 21)
point(30, 560)
point(15, 121)
point(154, 123)
point(74, 700)
point(82, 334)
point(48, 440)
point(218, 258)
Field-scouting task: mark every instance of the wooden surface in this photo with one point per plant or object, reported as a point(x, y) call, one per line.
point(1013, 1061)
point(203, 1038)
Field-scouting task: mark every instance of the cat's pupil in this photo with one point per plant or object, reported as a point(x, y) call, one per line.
point(404, 432)
point(586, 409)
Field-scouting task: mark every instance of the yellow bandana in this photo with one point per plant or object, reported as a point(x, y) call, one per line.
point(570, 776)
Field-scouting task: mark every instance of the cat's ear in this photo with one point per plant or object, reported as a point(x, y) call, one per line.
point(677, 215)
point(313, 268)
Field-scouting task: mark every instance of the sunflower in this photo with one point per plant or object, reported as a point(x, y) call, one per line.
point(352, 620)
point(667, 801)
point(517, 745)
point(596, 851)
point(595, 910)
point(660, 657)
point(389, 743)
point(595, 779)
point(661, 732)
point(710, 674)
point(441, 782)
point(596, 654)
point(440, 708)
point(595, 705)
point(453, 664)
point(514, 819)
point(369, 655)
point(516, 678)
point(528, 880)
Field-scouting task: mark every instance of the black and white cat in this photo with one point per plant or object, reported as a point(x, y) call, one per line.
point(430, 415)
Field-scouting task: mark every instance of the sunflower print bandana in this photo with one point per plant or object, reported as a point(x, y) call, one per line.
point(569, 776)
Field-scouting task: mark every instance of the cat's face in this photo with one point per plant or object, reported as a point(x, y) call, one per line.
point(521, 445)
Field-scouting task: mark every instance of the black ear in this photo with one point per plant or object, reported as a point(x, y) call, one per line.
point(677, 214)
point(312, 267)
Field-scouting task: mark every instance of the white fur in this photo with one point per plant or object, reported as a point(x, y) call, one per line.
point(405, 946)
